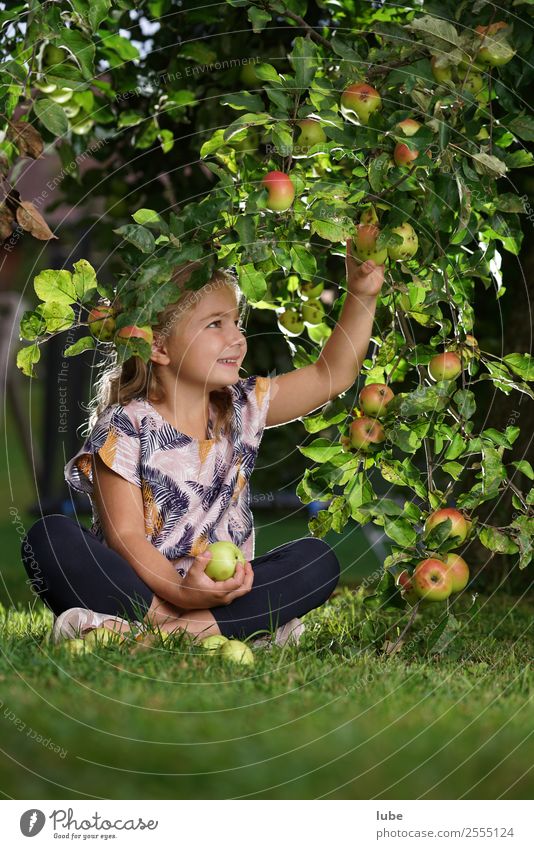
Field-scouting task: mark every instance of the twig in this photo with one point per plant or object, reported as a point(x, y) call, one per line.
point(409, 624)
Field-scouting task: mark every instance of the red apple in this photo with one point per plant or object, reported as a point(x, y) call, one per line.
point(366, 431)
point(133, 331)
point(446, 366)
point(101, 321)
point(432, 580)
point(311, 133)
point(458, 569)
point(459, 527)
point(404, 582)
point(409, 245)
point(409, 126)
point(374, 399)
point(365, 244)
point(362, 99)
point(281, 190)
point(403, 155)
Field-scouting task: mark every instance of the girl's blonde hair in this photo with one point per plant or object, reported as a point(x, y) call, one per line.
point(119, 384)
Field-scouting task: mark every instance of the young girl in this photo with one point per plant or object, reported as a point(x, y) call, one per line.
point(167, 467)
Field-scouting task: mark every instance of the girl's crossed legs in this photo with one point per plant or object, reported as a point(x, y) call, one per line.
point(69, 567)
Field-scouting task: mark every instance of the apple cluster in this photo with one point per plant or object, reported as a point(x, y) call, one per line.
point(102, 323)
point(439, 575)
point(366, 429)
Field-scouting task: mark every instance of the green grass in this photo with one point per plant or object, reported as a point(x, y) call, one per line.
point(328, 718)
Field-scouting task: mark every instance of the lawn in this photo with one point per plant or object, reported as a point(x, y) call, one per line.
point(330, 718)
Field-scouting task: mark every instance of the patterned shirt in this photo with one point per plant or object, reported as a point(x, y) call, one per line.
point(195, 491)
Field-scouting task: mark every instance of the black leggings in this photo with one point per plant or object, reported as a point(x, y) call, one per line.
point(69, 567)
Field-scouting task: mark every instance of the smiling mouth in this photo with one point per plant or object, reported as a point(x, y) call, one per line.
point(229, 362)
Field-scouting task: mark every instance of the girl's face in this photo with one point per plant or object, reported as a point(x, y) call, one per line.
point(209, 333)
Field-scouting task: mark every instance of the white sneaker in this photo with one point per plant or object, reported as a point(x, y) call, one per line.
point(77, 621)
point(290, 633)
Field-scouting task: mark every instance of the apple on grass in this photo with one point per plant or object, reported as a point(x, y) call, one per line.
point(237, 652)
point(213, 644)
point(460, 525)
point(102, 637)
point(101, 322)
point(446, 366)
point(364, 242)
point(291, 322)
point(224, 559)
point(409, 245)
point(432, 580)
point(361, 99)
point(374, 399)
point(76, 646)
point(366, 431)
point(281, 190)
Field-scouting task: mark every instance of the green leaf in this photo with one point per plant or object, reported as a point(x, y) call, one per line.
point(216, 141)
point(98, 10)
point(378, 172)
point(522, 126)
point(456, 448)
point(51, 115)
point(320, 450)
point(489, 165)
point(402, 473)
point(437, 32)
point(453, 469)
point(86, 343)
point(524, 467)
point(384, 507)
point(57, 314)
point(32, 325)
point(52, 285)
point(466, 402)
point(521, 364)
point(332, 413)
point(424, 399)
point(493, 470)
point(303, 59)
point(147, 217)
point(243, 100)
point(249, 119)
point(26, 358)
point(304, 262)
point(81, 47)
point(138, 236)
point(357, 492)
point(258, 18)
point(121, 46)
point(84, 279)
point(252, 282)
point(320, 524)
point(400, 531)
point(268, 73)
point(497, 541)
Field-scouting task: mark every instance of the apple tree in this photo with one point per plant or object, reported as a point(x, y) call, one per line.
point(398, 130)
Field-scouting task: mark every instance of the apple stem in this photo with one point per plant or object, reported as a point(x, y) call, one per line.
point(391, 649)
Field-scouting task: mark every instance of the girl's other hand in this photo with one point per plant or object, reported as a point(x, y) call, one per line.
point(201, 592)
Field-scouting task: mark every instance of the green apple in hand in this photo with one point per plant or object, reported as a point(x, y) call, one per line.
point(224, 558)
point(237, 652)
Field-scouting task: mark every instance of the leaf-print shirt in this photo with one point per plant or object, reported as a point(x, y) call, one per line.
point(195, 491)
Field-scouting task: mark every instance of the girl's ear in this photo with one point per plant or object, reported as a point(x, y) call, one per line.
point(159, 351)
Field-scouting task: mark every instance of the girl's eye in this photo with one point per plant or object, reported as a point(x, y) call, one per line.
point(240, 326)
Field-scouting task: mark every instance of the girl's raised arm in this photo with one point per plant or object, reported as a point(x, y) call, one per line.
point(300, 392)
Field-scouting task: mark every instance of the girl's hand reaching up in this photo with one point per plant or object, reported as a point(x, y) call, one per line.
point(363, 278)
point(201, 592)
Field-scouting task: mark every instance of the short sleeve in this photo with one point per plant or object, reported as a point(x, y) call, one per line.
point(116, 440)
point(251, 397)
